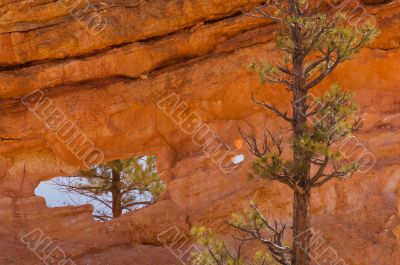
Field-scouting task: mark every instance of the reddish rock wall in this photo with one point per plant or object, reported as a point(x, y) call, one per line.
point(109, 85)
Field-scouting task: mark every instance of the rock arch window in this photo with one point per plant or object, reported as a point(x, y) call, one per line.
point(238, 159)
point(113, 188)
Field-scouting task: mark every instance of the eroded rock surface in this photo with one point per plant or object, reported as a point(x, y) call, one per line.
point(107, 86)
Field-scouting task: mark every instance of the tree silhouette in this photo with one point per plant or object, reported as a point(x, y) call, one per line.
point(117, 187)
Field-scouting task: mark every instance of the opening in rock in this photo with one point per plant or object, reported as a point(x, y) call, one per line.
point(113, 188)
point(238, 159)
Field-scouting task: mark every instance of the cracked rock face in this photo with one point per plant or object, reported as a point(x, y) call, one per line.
point(107, 83)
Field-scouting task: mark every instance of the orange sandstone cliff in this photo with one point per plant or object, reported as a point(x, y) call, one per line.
point(105, 80)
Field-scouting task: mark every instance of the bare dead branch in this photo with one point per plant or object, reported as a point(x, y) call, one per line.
point(272, 108)
point(251, 141)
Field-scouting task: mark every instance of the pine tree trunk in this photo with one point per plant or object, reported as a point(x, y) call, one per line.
point(116, 194)
point(302, 193)
point(301, 229)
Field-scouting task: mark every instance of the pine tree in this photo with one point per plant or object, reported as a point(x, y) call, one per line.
point(312, 44)
point(118, 186)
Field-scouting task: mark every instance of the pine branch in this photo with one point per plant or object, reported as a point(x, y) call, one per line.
point(336, 173)
point(261, 12)
point(131, 204)
point(275, 243)
point(320, 172)
point(328, 69)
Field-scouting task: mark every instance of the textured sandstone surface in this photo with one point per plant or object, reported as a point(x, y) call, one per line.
point(108, 85)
